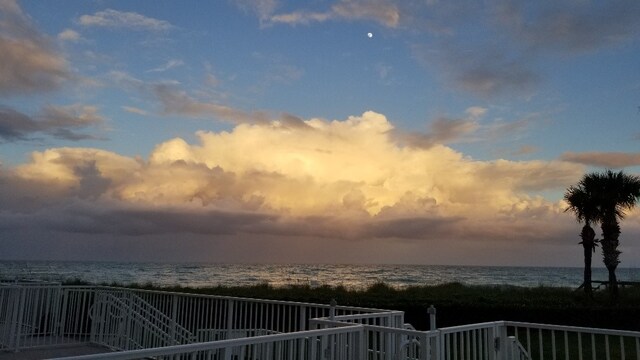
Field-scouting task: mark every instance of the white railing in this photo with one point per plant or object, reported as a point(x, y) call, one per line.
point(123, 321)
point(569, 342)
point(477, 341)
point(385, 343)
point(32, 315)
point(344, 343)
point(393, 319)
point(221, 317)
point(163, 324)
point(391, 341)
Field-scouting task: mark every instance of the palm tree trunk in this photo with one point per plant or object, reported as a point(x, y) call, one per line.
point(588, 239)
point(613, 284)
point(587, 272)
point(610, 252)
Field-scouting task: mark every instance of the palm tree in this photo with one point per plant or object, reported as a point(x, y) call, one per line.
point(614, 192)
point(582, 205)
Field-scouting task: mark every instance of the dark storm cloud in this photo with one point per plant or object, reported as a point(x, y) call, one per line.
point(412, 228)
point(92, 218)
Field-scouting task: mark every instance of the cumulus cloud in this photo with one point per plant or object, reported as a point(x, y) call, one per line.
point(119, 19)
point(336, 179)
point(57, 121)
point(612, 160)
point(30, 63)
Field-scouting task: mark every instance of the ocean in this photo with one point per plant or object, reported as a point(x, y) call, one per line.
point(278, 275)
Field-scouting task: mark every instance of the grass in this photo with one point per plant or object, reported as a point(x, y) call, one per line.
point(457, 304)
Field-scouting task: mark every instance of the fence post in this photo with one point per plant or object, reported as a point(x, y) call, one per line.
point(332, 309)
point(62, 314)
point(174, 317)
point(434, 342)
point(16, 293)
point(302, 319)
point(500, 341)
point(364, 347)
point(432, 317)
point(19, 318)
point(229, 318)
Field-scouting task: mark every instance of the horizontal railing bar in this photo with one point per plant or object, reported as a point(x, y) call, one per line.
point(368, 315)
point(267, 301)
point(214, 345)
point(458, 328)
point(331, 322)
point(587, 330)
point(428, 334)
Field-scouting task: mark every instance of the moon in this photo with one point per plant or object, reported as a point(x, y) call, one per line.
point(369, 35)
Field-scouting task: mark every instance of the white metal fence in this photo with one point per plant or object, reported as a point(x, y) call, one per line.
point(569, 342)
point(473, 342)
point(344, 343)
point(34, 315)
point(152, 324)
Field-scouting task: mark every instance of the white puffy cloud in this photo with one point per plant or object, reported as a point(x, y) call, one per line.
point(121, 19)
point(349, 183)
point(332, 170)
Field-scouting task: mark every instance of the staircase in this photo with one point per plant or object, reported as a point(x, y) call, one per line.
point(125, 321)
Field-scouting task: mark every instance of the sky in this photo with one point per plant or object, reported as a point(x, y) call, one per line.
point(317, 131)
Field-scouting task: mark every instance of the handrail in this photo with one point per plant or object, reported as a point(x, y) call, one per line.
point(184, 334)
point(368, 315)
point(458, 328)
point(214, 345)
point(236, 298)
point(159, 315)
point(150, 326)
